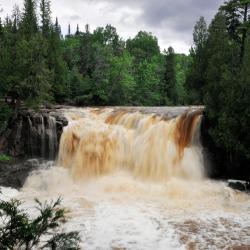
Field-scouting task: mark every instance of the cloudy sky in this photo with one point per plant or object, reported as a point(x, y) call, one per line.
point(171, 21)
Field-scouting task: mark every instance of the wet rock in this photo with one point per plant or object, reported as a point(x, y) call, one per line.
point(34, 133)
point(239, 185)
point(14, 174)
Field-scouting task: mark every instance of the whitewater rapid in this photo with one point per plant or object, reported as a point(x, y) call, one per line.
point(123, 208)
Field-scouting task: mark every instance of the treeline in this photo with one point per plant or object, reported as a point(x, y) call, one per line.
point(38, 64)
point(219, 77)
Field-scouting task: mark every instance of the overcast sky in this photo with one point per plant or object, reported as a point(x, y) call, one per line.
point(171, 21)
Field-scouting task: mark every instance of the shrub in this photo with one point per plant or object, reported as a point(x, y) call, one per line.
point(19, 231)
point(4, 158)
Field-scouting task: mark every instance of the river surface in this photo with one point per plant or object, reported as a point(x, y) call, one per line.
point(126, 202)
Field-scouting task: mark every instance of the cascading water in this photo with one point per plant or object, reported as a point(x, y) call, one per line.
point(42, 137)
point(147, 145)
point(41, 133)
point(136, 181)
point(52, 137)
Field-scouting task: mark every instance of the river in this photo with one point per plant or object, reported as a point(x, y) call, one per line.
point(135, 180)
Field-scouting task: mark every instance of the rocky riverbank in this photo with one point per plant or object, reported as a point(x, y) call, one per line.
point(13, 174)
point(33, 133)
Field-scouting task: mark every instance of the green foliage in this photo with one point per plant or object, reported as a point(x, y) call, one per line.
point(5, 113)
point(218, 76)
point(29, 25)
point(38, 65)
point(170, 87)
point(36, 77)
point(196, 75)
point(4, 158)
point(19, 231)
point(144, 46)
point(237, 19)
point(182, 64)
point(45, 17)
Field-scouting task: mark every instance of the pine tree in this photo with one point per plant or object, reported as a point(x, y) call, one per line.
point(36, 77)
point(85, 53)
point(45, 17)
point(77, 30)
point(243, 115)
point(1, 30)
point(56, 64)
point(237, 16)
point(29, 24)
point(219, 56)
point(57, 27)
point(196, 81)
point(8, 54)
point(170, 77)
point(2, 62)
point(19, 231)
point(16, 15)
point(222, 83)
point(69, 30)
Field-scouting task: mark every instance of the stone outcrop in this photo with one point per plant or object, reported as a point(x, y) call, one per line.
point(34, 133)
point(14, 174)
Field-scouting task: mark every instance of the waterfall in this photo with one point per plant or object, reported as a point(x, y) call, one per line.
point(148, 145)
point(42, 137)
point(18, 136)
point(141, 173)
point(52, 137)
point(41, 134)
point(30, 137)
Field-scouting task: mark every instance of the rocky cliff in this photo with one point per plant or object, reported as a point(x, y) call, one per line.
point(34, 133)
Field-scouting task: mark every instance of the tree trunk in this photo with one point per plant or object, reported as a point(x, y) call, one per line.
point(244, 33)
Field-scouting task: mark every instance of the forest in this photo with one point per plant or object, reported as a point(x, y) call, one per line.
point(40, 66)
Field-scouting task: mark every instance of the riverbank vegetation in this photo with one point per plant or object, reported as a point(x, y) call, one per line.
point(19, 231)
point(40, 65)
point(5, 158)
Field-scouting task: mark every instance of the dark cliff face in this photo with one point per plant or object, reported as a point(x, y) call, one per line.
point(33, 134)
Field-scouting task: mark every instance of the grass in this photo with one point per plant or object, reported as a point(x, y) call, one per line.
point(4, 158)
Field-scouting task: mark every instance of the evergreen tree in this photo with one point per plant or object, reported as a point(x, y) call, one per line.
point(29, 24)
point(77, 30)
point(57, 27)
point(222, 82)
point(169, 89)
point(8, 53)
point(16, 15)
point(19, 231)
point(196, 76)
point(85, 54)
point(243, 115)
point(219, 57)
point(237, 16)
point(1, 27)
point(182, 64)
point(69, 30)
point(45, 13)
point(56, 64)
point(36, 77)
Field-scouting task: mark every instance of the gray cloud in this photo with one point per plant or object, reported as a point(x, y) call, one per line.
point(175, 19)
point(171, 21)
point(73, 17)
